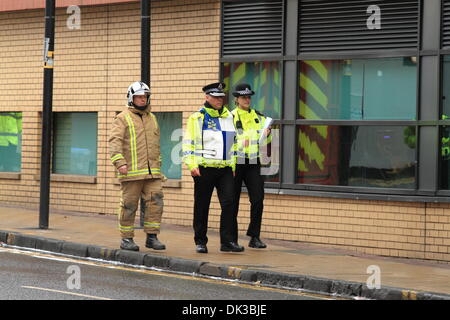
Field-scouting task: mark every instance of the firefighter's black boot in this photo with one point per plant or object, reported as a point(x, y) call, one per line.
point(128, 244)
point(153, 242)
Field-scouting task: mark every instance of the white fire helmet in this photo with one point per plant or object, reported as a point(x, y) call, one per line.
point(137, 88)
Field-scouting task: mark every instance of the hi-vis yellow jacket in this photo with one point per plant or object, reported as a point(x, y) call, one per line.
point(209, 139)
point(249, 125)
point(134, 141)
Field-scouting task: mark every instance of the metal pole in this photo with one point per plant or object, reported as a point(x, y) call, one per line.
point(47, 113)
point(145, 41)
point(145, 62)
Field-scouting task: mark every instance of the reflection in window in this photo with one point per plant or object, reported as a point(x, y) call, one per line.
point(75, 143)
point(445, 157)
point(270, 157)
point(359, 89)
point(363, 156)
point(265, 80)
point(445, 130)
point(170, 124)
point(10, 141)
point(446, 89)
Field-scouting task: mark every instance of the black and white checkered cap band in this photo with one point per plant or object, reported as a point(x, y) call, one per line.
point(215, 93)
point(245, 92)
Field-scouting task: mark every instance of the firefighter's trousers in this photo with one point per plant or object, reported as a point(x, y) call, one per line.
point(151, 190)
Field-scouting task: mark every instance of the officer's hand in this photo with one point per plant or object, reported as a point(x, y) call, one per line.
point(123, 170)
point(267, 131)
point(195, 172)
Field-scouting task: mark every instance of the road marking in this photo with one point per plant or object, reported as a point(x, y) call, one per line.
point(66, 292)
point(139, 269)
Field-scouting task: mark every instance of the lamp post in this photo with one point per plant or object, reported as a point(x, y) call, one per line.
point(47, 113)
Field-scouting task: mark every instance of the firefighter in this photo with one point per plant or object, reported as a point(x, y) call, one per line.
point(135, 153)
point(209, 153)
point(249, 123)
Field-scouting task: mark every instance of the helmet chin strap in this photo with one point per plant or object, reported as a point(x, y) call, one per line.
point(140, 108)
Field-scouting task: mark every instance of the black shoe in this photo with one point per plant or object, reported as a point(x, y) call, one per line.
point(128, 244)
point(231, 247)
point(201, 248)
point(255, 242)
point(153, 242)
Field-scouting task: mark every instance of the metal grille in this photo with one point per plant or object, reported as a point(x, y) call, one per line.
point(446, 24)
point(252, 28)
point(342, 25)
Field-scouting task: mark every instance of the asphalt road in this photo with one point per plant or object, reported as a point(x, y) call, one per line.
point(33, 276)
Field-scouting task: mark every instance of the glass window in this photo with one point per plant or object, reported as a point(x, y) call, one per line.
point(446, 89)
point(265, 80)
point(445, 130)
point(10, 141)
point(359, 89)
point(445, 157)
point(170, 124)
point(270, 156)
point(363, 156)
point(75, 143)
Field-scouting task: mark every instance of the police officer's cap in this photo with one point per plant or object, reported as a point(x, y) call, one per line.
point(215, 89)
point(243, 89)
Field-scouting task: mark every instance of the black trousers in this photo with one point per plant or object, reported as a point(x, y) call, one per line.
point(222, 180)
point(250, 174)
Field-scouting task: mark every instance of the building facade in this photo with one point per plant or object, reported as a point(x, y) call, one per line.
point(357, 88)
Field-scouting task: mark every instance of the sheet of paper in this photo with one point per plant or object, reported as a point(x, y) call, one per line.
point(267, 123)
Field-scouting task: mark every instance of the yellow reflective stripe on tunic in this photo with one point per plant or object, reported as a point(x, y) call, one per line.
point(133, 148)
point(134, 173)
point(117, 157)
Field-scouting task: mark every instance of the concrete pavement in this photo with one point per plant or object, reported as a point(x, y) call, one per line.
point(290, 264)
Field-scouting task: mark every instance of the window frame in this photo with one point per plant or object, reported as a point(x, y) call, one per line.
point(427, 121)
point(441, 123)
point(180, 127)
point(87, 177)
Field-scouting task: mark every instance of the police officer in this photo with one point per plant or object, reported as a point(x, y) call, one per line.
point(249, 124)
point(135, 153)
point(209, 153)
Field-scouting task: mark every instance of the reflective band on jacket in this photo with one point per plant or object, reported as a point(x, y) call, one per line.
point(134, 173)
point(117, 157)
point(133, 148)
point(142, 172)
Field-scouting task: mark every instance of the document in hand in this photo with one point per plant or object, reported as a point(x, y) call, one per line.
point(267, 124)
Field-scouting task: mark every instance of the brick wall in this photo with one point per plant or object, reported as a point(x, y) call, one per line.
point(21, 39)
point(94, 66)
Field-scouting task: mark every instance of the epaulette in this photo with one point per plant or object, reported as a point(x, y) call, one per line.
point(198, 114)
point(259, 113)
